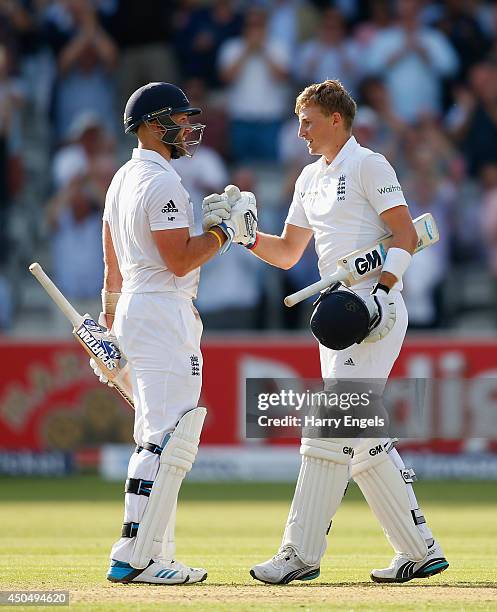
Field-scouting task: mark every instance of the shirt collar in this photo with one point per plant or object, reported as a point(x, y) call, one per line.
point(153, 156)
point(348, 148)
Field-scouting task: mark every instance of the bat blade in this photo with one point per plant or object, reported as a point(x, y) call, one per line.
point(364, 262)
point(91, 336)
point(93, 339)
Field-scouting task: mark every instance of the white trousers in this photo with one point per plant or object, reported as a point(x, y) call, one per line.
point(159, 333)
point(367, 360)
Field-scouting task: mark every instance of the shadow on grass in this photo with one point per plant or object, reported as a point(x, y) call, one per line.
point(92, 488)
point(352, 584)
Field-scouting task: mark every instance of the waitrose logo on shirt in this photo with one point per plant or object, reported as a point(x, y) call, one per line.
point(389, 189)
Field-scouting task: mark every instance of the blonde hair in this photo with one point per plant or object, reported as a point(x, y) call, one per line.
point(332, 97)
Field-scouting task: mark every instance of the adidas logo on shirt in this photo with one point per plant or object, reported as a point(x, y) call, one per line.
point(170, 207)
point(349, 362)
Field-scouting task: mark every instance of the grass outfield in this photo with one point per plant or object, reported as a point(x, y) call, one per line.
point(56, 534)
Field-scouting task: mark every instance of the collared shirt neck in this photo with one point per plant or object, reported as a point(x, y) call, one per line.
point(349, 147)
point(153, 156)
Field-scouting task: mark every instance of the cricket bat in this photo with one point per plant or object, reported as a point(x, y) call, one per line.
point(362, 263)
point(91, 336)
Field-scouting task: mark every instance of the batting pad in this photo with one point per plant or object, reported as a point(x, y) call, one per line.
point(176, 461)
point(321, 484)
point(385, 492)
point(168, 548)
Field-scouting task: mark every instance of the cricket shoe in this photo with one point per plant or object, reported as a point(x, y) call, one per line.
point(158, 571)
point(196, 574)
point(402, 569)
point(284, 567)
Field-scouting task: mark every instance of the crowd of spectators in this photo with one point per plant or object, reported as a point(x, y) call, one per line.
point(424, 75)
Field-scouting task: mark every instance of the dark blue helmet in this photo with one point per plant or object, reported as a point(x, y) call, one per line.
point(340, 319)
point(155, 99)
point(158, 101)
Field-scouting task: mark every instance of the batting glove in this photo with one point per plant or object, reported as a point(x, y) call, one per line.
point(215, 209)
point(99, 374)
point(381, 311)
point(241, 227)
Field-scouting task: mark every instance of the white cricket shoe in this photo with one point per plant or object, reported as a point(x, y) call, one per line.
point(196, 574)
point(159, 571)
point(284, 567)
point(402, 569)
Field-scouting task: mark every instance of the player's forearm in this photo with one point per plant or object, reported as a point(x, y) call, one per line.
point(112, 274)
point(111, 291)
point(275, 250)
point(198, 250)
point(406, 240)
point(112, 279)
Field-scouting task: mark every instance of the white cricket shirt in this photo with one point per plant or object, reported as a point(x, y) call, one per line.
point(146, 195)
point(341, 203)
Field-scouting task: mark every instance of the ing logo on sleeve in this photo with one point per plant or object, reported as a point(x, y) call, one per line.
point(388, 189)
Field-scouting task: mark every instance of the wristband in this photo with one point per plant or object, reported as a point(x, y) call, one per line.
point(229, 233)
point(396, 262)
point(254, 244)
point(216, 235)
point(109, 301)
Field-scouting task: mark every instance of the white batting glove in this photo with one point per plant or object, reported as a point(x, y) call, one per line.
point(241, 227)
point(99, 374)
point(215, 210)
point(108, 333)
point(382, 314)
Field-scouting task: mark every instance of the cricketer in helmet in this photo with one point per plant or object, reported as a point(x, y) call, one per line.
point(157, 105)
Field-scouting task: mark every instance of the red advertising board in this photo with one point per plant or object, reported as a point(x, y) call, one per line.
point(49, 398)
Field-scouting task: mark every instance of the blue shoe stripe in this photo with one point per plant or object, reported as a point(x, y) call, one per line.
point(166, 573)
point(300, 575)
point(115, 563)
point(437, 566)
point(119, 573)
point(119, 569)
point(311, 576)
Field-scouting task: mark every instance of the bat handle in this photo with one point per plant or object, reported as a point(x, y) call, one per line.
point(320, 285)
point(50, 287)
point(295, 298)
point(303, 294)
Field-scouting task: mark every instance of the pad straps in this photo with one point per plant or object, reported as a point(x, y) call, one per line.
point(138, 486)
point(152, 448)
point(129, 530)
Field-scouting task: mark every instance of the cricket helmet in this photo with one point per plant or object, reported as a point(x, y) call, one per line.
point(157, 102)
point(340, 318)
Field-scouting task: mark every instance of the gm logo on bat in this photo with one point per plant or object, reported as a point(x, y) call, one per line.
point(370, 261)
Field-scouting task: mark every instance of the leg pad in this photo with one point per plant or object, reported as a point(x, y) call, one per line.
point(176, 460)
point(385, 491)
point(321, 484)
